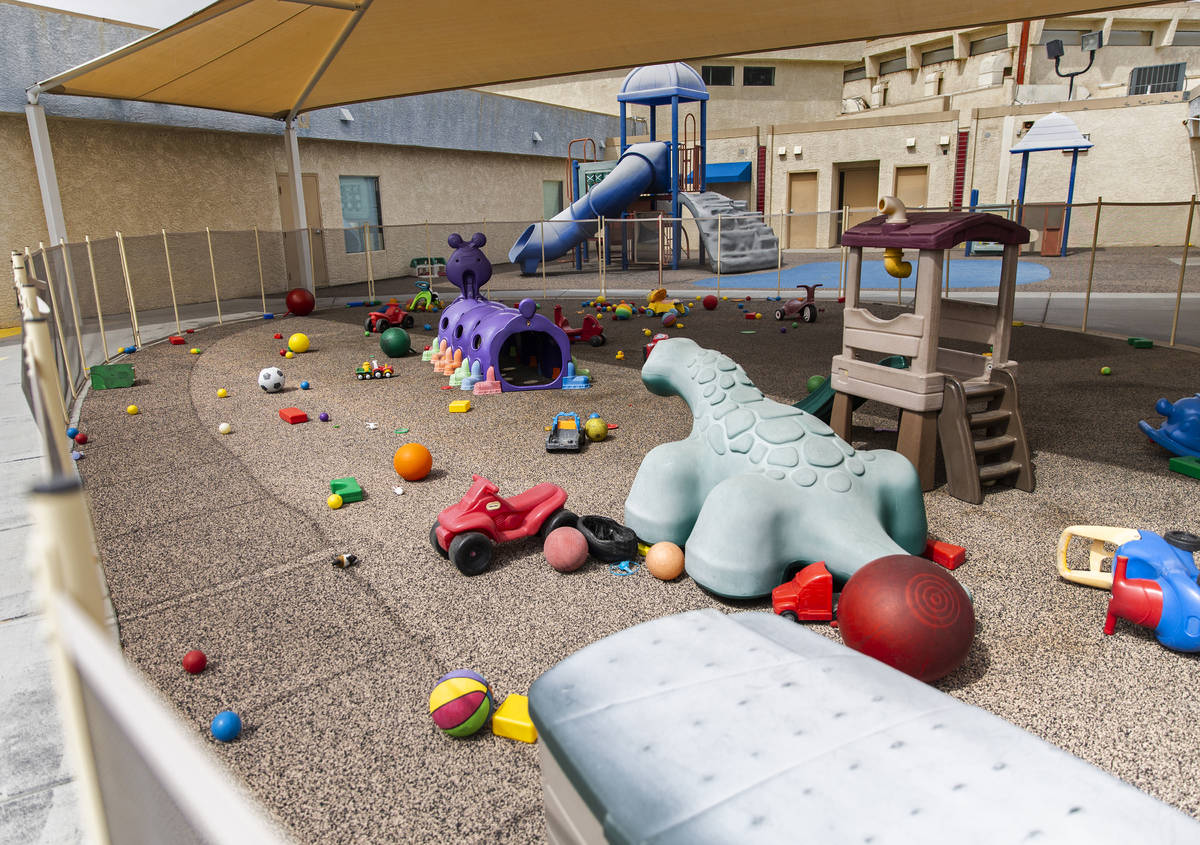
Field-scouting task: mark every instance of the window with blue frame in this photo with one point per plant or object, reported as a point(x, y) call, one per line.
point(360, 206)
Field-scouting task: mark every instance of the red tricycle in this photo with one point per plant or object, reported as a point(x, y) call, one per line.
point(806, 308)
point(393, 315)
point(591, 330)
point(465, 532)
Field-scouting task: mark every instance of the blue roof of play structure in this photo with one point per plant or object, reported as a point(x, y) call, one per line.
point(656, 85)
point(1052, 132)
point(727, 171)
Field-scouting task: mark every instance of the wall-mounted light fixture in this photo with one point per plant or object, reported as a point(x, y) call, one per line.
point(797, 151)
point(345, 115)
point(782, 152)
point(537, 137)
point(910, 142)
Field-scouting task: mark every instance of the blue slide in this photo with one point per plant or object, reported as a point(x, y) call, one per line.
point(641, 169)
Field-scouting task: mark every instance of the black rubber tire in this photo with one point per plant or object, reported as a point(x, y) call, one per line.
point(433, 540)
point(597, 340)
point(558, 519)
point(808, 312)
point(382, 325)
point(407, 322)
point(388, 375)
point(361, 376)
point(368, 325)
point(608, 540)
point(376, 374)
point(471, 552)
point(1185, 540)
point(779, 315)
point(790, 616)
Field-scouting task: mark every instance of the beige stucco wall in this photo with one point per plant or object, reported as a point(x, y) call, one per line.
point(140, 179)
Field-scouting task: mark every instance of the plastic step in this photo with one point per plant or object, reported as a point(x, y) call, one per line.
point(984, 418)
point(979, 390)
point(993, 472)
point(994, 444)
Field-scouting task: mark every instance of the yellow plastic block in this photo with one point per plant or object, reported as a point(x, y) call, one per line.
point(460, 406)
point(512, 719)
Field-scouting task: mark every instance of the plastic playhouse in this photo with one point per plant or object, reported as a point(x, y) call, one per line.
point(966, 400)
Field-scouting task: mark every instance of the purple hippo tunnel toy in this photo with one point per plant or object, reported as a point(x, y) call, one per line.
point(527, 350)
point(1180, 431)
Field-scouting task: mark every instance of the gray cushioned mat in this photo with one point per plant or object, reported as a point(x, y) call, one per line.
point(706, 727)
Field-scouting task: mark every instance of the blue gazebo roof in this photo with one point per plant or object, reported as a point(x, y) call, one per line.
point(656, 85)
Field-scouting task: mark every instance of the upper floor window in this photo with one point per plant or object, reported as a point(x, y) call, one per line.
point(1069, 37)
point(1187, 38)
point(941, 54)
point(717, 74)
point(893, 65)
point(758, 75)
point(853, 73)
point(1157, 79)
point(989, 44)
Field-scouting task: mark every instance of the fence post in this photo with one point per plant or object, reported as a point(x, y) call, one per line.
point(262, 286)
point(96, 291)
point(1187, 241)
point(212, 262)
point(1087, 297)
point(133, 321)
point(39, 344)
point(720, 217)
point(778, 268)
point(62, 340)
point(171, 281)
point(71, 289)
point(370, 268)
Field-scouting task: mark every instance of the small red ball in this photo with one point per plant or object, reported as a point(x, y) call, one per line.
point(278, 336)
point(81, 438)
point(283, 353)
point(194, 662)
point(566, 549)
point(709, 302)
point(909, 613)
point(300, 302)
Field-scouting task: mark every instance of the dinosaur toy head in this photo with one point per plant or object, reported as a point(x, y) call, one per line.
point(468, 268)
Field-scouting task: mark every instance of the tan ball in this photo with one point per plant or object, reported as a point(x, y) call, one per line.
point(665, 561)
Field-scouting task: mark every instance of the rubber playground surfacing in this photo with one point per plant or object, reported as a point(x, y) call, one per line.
point(225, 544)
point(974, 274)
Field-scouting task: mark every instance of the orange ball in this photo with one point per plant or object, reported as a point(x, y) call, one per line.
point(412, 461)
point(665, 561)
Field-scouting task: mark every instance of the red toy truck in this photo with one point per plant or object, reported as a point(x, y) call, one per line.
point(806, 598)
point(591, 331)
point(465, 532)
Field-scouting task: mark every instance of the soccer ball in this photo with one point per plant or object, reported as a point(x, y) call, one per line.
point(271, 379)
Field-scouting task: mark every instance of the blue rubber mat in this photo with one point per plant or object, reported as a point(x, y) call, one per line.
point(973, 273)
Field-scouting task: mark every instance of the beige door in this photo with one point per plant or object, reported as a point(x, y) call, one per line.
point(312, 210)
point(802, 203)
point(912, 186)
point(860, 190)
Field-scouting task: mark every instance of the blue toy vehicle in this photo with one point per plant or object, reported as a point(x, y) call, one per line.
point(1153, 579)
point(1180, 431)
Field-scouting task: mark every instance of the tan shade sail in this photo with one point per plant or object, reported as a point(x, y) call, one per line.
point(276, 57)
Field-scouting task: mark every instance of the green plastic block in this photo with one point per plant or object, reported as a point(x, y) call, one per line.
point(347, 488)
point(1140, 342)
point(108, 376)
point(1185, 466)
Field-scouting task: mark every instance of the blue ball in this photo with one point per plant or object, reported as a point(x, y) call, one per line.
point(304, 385)
point(226, 726)
point(72, 431)
point(428, 327)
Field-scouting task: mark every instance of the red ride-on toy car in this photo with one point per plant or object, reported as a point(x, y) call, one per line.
point(806, 308)
point(465, 532)
point(393, 315)
point(591, 330)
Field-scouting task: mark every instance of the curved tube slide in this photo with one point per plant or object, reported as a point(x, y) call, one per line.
point(641, 168)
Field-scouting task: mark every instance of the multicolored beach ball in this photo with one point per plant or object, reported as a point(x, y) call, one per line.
point(461, 702)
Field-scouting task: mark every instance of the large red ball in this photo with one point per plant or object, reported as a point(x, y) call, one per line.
point(909, 613)
point(709, 302)
point(566, 549)
point(194, 662)
point(300, 302)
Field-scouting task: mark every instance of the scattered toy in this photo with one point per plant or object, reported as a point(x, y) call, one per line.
point(81, 438)
point(323, 417)
point(1180, 431)
point(132, 409)
point(289, 354)
point(665, 561)
point(460, 703)
point(71, 432)
point(222, 393)
point(399, 491)
point(226, 726)
point(466, 531)
point(343, 561)
point(392, 315)
point(194, 662)
point(564, 433)
point(1140, 342)
point(304, 385)
point(460, 406)
point(808, 597)
point(278, 336)
point(371, 369)
point(111, 376)
point(300, 302)
point(566, 549)
point(76, 454)
point(224, 428)
point(194, 351)
point(624, 567)
point(334, 501)
point(709, 302)
point(372, 426)
point(412, 462)
point(395, 342)
point(175, 340)
point(270, 379)
point(590, 332)
point(347, 488)
point(292, 416)
point(595, 428)
point(1106, 371)
point(298, 343)
point(511, 720)
point(607, 539)
point(1189, 466)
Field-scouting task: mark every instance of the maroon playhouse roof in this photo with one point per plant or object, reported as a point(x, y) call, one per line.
point(935, 230)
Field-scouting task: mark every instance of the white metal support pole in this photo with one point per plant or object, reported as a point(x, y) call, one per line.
point(299, 218)
point(43, 160)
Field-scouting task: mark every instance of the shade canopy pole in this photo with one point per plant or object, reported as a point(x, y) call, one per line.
point(299, 217)
point(43, 160)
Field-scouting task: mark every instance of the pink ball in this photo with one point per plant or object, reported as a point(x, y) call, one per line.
point(668, 319)
point(566, 549)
